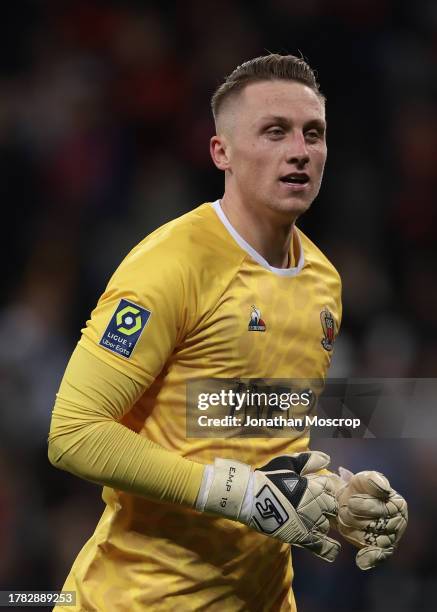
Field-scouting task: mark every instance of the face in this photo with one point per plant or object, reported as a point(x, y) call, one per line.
point(271, 143)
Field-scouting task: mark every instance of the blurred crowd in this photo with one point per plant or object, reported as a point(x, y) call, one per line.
point(104, 129)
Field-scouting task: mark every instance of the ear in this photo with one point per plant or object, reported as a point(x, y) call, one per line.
point(219, 149)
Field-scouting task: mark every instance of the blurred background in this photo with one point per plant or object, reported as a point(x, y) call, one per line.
point(104, 130)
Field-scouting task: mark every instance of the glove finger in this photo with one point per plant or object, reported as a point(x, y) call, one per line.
point(361, 508)
point(371, 556)
point(324, 547)
point(396, 527)
point(330, 505)
point(385, 540)
point(333, 483)
point(366, 506)
point(316, 461)
point(399, 502)
point(379, 524)
point(372, 483)
point(345, 474)
point(382, 533)
point(321, 490)
point(322, 524)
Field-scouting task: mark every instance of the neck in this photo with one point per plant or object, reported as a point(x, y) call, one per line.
point(269, 236)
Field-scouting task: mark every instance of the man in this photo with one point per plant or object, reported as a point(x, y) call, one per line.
point(231, 290)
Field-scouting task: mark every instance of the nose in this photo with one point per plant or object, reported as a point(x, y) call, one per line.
point(297, 152)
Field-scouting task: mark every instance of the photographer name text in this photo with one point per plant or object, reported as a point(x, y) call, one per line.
point(277, 421)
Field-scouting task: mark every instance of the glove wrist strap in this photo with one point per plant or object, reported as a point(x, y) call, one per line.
point(228, 488)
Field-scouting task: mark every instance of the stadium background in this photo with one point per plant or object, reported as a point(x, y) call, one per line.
point(104, 128)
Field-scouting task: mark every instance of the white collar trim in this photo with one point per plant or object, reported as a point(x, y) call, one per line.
point(251, 251)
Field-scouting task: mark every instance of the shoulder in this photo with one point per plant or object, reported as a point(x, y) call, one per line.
point(318, 261)
point(196, 232)
point(194, 244)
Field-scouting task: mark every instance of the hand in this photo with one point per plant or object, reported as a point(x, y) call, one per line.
point(371, 515)
point(285, 499)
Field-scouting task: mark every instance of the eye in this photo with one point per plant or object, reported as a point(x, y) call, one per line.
point(275, 132)
point(313, 135)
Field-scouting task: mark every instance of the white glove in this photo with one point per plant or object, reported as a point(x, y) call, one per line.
point(284, 499)
point(371, 515)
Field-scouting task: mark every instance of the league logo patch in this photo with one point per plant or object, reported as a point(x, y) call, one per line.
point(256, 323)
point(328, 326)
point(125, 328)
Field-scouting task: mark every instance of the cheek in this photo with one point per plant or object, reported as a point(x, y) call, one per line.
point(320, 159)
point(249, 161)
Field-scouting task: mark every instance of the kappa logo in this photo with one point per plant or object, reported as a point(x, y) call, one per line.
point(328, 326)
point(256, 323)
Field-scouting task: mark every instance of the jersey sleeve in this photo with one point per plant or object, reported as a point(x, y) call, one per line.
point(143, 313)
point(138, 321)
point(87, 439)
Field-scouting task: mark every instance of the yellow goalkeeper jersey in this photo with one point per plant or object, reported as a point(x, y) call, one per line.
point(194, 301)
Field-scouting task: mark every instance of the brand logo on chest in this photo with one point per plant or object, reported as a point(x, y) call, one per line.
point(256, 323)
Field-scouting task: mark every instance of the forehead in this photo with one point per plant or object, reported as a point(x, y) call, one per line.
point(288, 99)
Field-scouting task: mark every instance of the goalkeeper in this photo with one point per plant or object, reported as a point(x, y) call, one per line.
point(232, 289)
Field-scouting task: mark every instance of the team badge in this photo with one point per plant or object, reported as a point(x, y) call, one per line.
point(328, 326)
point(125, 328)
point(256, 323)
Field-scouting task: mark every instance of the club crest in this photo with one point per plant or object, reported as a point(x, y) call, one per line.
point(328, 326)
point(256, 323)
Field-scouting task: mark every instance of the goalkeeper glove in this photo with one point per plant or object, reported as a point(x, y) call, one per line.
point(285, 499)
point(371, 515)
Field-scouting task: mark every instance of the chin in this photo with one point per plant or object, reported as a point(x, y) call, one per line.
point(293, 207)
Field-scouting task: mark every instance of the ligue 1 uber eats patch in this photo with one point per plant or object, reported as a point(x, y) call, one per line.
point(125, 328)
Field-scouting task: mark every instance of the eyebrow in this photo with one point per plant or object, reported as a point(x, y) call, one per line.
point(284, 121)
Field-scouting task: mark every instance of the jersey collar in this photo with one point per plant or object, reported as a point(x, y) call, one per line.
point(254, 254)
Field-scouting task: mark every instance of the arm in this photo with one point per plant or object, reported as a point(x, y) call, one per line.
point(87, 439)
point(145, 307)
point(285, 499)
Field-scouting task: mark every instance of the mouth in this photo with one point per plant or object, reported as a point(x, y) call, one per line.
point(295, 182)
point(295, 178)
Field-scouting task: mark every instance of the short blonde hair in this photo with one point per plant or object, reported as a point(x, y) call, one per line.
point(265, 68)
